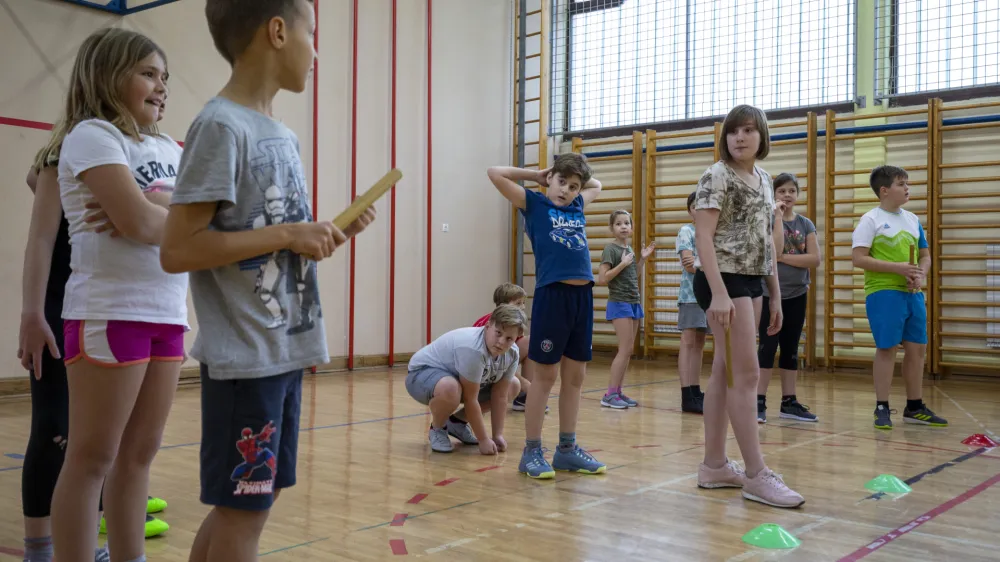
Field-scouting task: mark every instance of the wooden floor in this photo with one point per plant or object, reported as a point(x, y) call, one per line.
point(368, 485)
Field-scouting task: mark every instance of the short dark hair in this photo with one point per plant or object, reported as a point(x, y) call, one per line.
point(691, 198)
point(233, 23)
point(739, 116)
point(883, 176)
point(573, 164)
point(784, 178)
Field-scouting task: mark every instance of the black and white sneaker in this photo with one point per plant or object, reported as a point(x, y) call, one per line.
point(792, 410)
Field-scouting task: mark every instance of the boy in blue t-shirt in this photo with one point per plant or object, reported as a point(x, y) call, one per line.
point(562, 312)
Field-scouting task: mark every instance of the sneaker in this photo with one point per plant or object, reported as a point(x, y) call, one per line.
point(768, 488)
point(792, 410)
point(614, 401)
point(533, 464)
point(577, 460)
point(693, 403)
point(882, 419)
point(462, 432)
point(518, 404)
point(631, 403)
point(102, 555)
point(730, 475)
point(761, 412)
point(155, 505)
point(154, 527)
point(924, 416)
point(440, 442)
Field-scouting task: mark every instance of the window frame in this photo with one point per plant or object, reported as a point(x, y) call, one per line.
point(574, 8)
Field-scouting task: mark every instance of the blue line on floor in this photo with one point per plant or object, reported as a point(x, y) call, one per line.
point(283, 549)
point(16, 456)
point(914, 479)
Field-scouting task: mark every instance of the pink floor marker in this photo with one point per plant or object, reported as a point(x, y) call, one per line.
point(417, 498)
point(446, 482)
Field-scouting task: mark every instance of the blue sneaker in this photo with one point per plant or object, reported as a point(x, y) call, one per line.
point(533, 464)
point(577, 460)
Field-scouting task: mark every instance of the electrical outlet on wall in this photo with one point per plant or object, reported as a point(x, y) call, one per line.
point(444, 227)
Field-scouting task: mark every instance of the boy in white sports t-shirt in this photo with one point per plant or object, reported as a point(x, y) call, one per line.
point(894, 299)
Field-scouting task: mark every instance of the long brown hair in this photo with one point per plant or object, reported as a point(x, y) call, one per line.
point(103, 65)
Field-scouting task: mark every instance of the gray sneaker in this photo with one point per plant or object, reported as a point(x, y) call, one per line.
point(462, 432)
point(614, 401)
point(440, 442)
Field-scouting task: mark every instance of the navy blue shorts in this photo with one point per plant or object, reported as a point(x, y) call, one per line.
point(249, 439)
point(562, 323)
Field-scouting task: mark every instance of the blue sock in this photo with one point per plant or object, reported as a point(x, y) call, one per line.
point(567, 441)
point(532, 444)
point(38, 549)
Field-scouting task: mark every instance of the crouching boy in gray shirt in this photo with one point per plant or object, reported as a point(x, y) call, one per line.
point(474, 367)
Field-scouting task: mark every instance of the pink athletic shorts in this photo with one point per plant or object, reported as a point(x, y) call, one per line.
point(121, 343)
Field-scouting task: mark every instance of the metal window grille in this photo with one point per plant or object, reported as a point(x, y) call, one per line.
point(622, 63)
point(935, 45)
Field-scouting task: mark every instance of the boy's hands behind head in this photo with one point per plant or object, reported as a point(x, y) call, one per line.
point(315, 240)
point(543, 177)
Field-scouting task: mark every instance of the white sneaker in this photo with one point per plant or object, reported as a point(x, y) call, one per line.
point(462, 432)
point(440, 442)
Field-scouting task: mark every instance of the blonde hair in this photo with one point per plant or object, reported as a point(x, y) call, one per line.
point(509, 316)
point(103, 65)
point(738, 117)
point(618, 213)
point(507, 293)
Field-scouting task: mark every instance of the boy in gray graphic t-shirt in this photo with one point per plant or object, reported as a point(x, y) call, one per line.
point(240, 222)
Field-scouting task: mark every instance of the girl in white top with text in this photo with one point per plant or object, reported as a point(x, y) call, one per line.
point(124, 317)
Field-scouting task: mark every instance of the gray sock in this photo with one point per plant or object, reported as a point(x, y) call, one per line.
point(38, 549)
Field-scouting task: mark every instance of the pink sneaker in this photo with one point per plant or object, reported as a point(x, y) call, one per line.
point(768, 487)
point(730, 475)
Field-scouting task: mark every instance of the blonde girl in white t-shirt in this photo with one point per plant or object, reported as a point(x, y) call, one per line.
point(124, 317)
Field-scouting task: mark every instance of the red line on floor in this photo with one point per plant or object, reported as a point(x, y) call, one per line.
point(485, 468)
point(398, 546)
point(645, 446)
point(446, 482)
point(837, 445)
point(594, 450)
point(398, 520)
point(11, 551)
point(417, 498)
point(773, 443)
point(914, 450)
point(900, 531)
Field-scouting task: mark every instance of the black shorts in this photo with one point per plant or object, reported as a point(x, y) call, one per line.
point(737, 285)
point(249, 439)
point(562, 323)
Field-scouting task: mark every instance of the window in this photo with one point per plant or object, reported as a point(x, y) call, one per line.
point(622, 63)
point(935, 45)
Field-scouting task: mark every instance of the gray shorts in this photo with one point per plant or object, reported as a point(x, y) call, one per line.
point(421, 382)
point(690, 315)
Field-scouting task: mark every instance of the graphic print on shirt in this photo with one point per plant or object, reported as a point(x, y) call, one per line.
point(795, 241)
point(568, 228)
point(153, 172)
point(282, 274)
